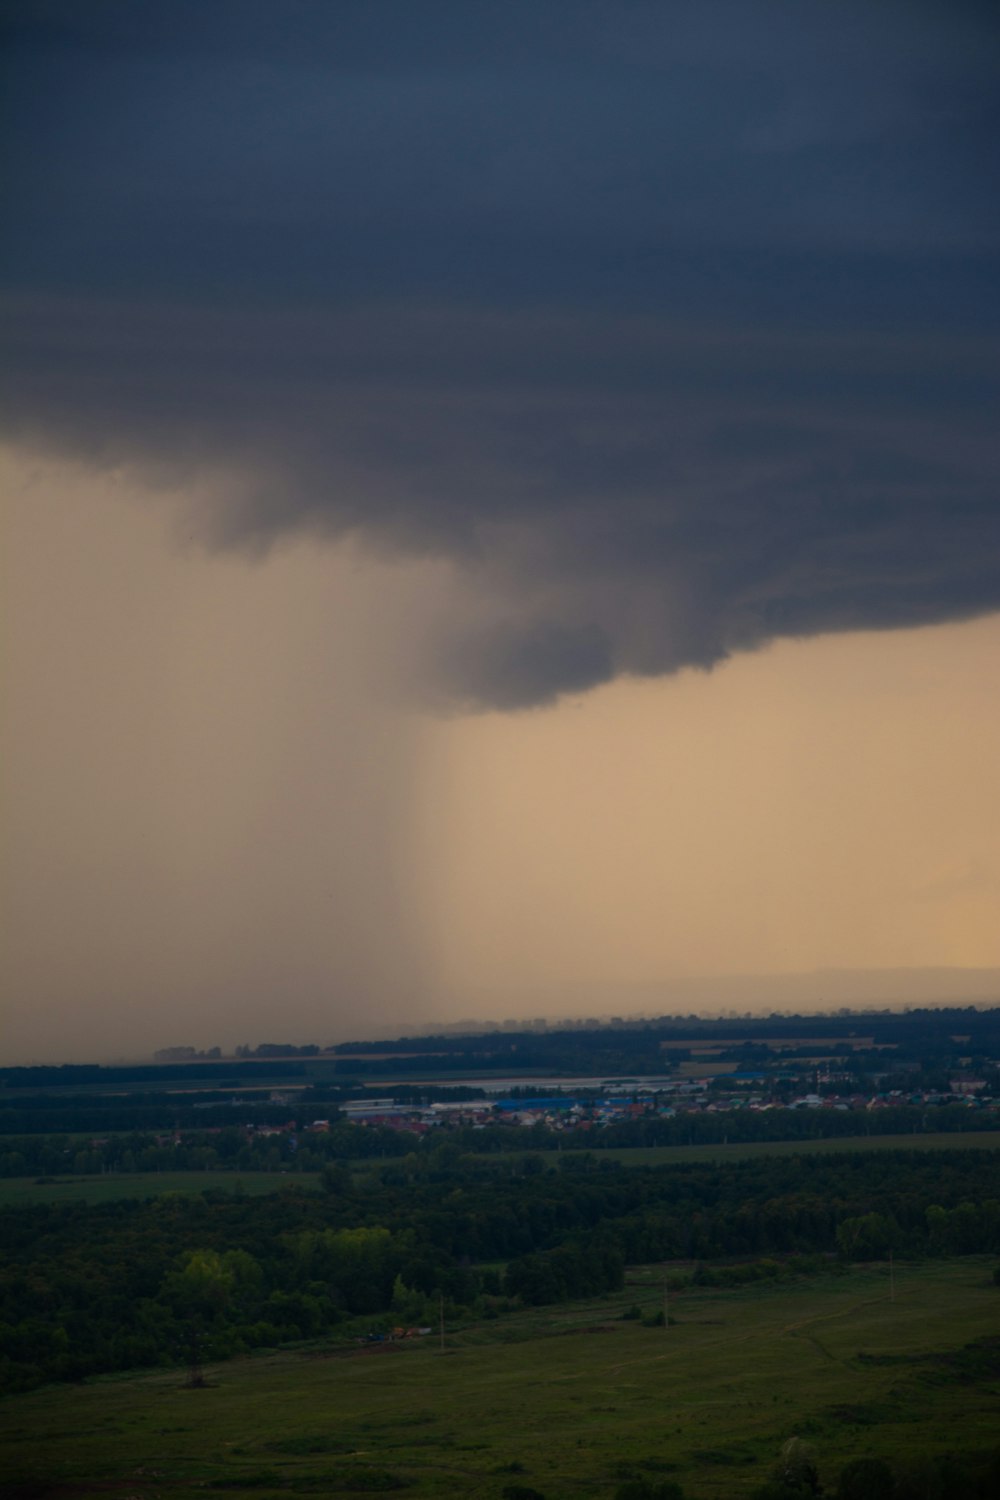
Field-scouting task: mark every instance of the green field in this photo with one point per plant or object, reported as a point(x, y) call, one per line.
point(115, 1185)
point(567, 1401)
point(654, 1156)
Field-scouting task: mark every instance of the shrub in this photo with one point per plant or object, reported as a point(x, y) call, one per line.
point(866, 1479)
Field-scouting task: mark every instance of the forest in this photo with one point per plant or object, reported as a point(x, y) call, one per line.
point(91, 1288)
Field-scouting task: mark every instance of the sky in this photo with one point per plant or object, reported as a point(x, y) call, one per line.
point(500, 513)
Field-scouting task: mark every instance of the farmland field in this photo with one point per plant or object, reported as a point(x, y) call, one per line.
point(566, 1401)
point(116, 1185)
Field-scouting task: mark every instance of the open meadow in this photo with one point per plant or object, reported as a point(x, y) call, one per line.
point(563, 1402)
point(110, 1187)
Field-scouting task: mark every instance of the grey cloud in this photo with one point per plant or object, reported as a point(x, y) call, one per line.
point(515, 666)
point(673, 338)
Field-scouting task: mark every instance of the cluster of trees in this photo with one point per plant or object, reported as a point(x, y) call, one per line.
point(49, 1114)
point(87, 1288)
point(231, 1149)
point(569, 1272)
point(689, 1128)
point(120, 1076)
point(796, 1476)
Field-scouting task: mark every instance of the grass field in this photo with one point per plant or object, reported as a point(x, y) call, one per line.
point(567, 1401)
point(652, 1156)
point(146, 1185)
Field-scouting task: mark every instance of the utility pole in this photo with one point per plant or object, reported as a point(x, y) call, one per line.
point(441, 1312)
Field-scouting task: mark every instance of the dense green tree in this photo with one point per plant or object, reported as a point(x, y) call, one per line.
point(866, 1479)
point(796, 1468)
point(867, 1237)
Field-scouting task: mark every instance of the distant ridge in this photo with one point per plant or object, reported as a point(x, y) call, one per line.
point(807, 991)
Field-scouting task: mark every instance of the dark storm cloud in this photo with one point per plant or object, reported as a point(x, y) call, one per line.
point(673, 325)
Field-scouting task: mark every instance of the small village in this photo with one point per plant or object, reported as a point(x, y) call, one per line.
point(595, 1111)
